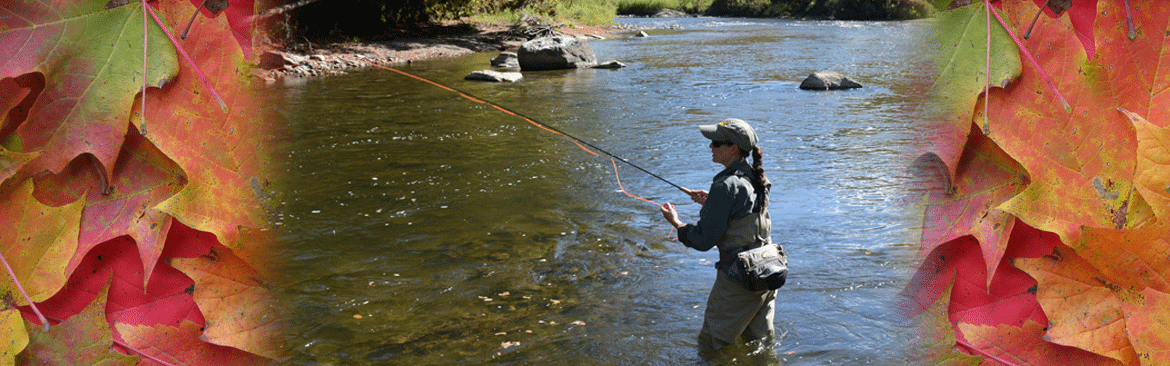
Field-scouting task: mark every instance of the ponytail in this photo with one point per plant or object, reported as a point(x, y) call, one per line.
point(760, 183)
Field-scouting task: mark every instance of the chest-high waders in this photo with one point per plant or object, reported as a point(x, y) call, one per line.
point(732, 310)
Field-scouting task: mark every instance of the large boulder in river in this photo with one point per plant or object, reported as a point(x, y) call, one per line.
point(828, 80)
point(552, 53)
point(496, 76)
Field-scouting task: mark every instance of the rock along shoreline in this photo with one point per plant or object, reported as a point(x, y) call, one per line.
point(304, 60)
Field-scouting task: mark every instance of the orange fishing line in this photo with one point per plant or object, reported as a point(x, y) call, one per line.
point(619, 182)
point(529, 120)
point(444, 87)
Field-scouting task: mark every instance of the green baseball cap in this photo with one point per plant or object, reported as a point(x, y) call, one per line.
point(732, 129)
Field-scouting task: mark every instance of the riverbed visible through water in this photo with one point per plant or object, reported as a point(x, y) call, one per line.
point(426, 229)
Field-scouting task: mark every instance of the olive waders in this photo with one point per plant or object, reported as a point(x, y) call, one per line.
point(732, 310)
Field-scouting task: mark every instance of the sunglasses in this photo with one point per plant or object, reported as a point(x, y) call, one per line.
point(715, 144)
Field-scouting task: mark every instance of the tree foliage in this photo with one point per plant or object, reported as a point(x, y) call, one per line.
point(832, 9)
point(337, 20)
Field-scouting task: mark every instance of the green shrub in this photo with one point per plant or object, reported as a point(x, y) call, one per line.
point(642, 8)
point(911, 9)
point(878, 9)
point(593, 12)
point(651, 7)
point(740, 8)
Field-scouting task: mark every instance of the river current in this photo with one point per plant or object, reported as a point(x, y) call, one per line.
point(426, 229)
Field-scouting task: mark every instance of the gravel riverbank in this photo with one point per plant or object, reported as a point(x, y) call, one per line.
point(309, 59)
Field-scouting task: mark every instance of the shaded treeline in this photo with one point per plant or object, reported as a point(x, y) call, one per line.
point(344, 19)
point(339, 20)
point(823, 9)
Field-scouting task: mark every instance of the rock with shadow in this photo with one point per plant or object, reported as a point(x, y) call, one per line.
point(555, 53)
point(828, 80)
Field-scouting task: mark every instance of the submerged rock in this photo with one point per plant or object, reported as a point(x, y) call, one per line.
point(828, 80)
point(552, 53)
point(611, 64)
point(496, 76)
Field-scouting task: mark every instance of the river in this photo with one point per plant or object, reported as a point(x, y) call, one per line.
point(425, 229)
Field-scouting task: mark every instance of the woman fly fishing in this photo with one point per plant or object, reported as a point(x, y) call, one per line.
point(734, 217)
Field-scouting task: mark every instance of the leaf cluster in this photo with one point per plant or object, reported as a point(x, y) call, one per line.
point(133, 205)
point(1046, 226)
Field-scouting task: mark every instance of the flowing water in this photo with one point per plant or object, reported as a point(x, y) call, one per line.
point(424, 228)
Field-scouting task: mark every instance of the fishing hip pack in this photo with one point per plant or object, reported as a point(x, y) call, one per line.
point(761, 264)
point(761, 268)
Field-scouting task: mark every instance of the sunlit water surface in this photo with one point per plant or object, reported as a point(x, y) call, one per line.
point(427, 229)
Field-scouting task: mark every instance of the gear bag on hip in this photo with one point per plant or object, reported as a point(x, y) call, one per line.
point(760, 265)
point(761, 268)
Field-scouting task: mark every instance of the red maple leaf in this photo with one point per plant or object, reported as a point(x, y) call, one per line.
point(181, 345)
point(219, 150)
point(143, 177)
point(240, 17)
point(84, 105)
point(1081, 14)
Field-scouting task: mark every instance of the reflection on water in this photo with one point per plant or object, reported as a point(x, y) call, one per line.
point(427, 229)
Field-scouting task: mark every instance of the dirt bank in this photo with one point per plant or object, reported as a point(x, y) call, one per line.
point(309, 59)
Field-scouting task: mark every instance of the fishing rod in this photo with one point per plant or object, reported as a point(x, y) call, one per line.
point(562, 133)
point(533, 121)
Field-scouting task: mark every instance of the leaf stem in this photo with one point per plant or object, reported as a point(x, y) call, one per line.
point(143, 354)
point(1023, 49)
point(987, 78)
point(145, 34)
point(984, 353)
point(192, 21)
point(1129, 19)
point(187, 57)
point(31, 304)
point(1034, 19)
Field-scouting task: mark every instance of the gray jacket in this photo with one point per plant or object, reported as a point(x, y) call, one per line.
point(731, 197)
